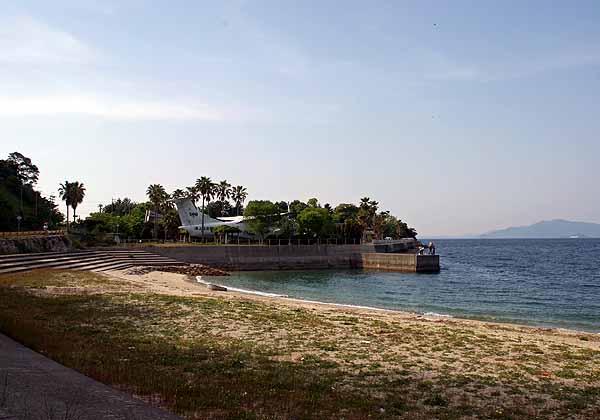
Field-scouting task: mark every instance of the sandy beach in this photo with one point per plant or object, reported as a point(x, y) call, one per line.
point(188, 286)
point(377, 362)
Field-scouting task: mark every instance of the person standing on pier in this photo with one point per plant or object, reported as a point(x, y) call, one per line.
point(431, 247)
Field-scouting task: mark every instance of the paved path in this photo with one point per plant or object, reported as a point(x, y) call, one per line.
point(33, 387)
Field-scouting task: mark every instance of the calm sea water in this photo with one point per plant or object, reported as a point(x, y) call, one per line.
point(547, 282)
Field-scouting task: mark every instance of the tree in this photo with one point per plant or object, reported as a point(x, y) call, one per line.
point(170, 220)
point(18, 197)
point(65, 194)
point(223, 230)
point(157, 196)
point(296, 207)
point(313, 202)
point(120, 207)
point(366, 212)
point(283, 206)
point(315, 221)
point(223, 191)
point(178, 194)
point(380, 223)
point(192, 194)
point(206, 189)
point(403, 231)
point(27, 172)
point(286, 228)
point(261, 216)
point(78, 193)
point(344, 211)
point(239, 195)
point(352, 229)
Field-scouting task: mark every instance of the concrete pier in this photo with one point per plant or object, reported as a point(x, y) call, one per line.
point(303, 257)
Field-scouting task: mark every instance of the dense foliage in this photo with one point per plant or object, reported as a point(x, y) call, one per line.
point(159, 219)
point(18, 197)
point(309, 219)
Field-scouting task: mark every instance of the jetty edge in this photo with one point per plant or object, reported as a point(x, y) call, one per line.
point(401, 256)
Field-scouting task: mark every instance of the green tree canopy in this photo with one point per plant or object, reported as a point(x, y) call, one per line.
point(27, 172)
point(296, 207)
point(315, 222)
point(18, 197)
point(313, 202)
point(262, 216)
point(344, 211)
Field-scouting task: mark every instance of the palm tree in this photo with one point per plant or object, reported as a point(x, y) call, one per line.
point(178, 194)
point(192, 194)
point(64, 192)
point(157, 196)
point(366, 213)
point(170, 217)
point(239, 195)
point(206, 189)
point(223, 190)
point(78, 193)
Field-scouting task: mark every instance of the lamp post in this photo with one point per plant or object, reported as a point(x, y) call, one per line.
point(19, 225)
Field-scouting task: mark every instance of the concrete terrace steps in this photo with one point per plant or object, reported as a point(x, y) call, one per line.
point(95, 260)
point(47, 259)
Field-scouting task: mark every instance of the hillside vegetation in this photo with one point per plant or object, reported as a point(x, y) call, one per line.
point(18, 197)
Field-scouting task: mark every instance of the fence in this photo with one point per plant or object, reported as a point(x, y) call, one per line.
point(31, 234)
point(244, 242)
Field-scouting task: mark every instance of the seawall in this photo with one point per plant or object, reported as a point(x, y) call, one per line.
point(303, 257)
point(401, 262)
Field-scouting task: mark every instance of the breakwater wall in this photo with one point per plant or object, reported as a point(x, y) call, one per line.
point(303, 257)
point(401, 262)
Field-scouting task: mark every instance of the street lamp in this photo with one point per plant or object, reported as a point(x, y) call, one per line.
point(19, 225)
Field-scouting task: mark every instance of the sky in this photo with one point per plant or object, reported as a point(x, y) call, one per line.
point(459, 117)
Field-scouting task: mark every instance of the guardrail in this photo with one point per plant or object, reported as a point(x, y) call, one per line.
point(32, 234)
point(244, 242)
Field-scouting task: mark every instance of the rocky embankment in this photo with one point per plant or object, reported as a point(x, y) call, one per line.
point(35, 244)
point(189, 270)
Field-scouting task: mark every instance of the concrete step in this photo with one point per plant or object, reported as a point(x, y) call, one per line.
point(84, 260)
point(28, 257)
point(52, 264)
point(65, 259)
point(107, 266)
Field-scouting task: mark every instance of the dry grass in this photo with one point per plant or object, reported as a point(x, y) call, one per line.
point(215, 358)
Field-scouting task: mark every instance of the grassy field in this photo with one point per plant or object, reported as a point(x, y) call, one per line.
point(209, 357)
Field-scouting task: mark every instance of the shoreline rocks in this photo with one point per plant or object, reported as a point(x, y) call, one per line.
point(189, 270)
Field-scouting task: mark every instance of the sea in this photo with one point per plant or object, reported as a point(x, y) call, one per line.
point(538, 282)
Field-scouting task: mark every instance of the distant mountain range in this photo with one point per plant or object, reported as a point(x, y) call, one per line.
point(549, 229)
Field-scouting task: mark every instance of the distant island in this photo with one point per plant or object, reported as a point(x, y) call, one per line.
point(557, 228)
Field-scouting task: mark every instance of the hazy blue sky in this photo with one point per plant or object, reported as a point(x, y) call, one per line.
point(457, 116)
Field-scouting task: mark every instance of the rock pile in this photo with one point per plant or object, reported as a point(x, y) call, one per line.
point(35, 244)
point(189, 270)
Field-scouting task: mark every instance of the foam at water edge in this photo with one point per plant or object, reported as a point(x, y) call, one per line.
point(435, 314)
point(254, 292)
point(235, 289)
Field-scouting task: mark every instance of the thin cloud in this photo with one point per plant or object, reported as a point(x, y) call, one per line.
point(103, 108)
point(25, 40)
point(440, 67)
